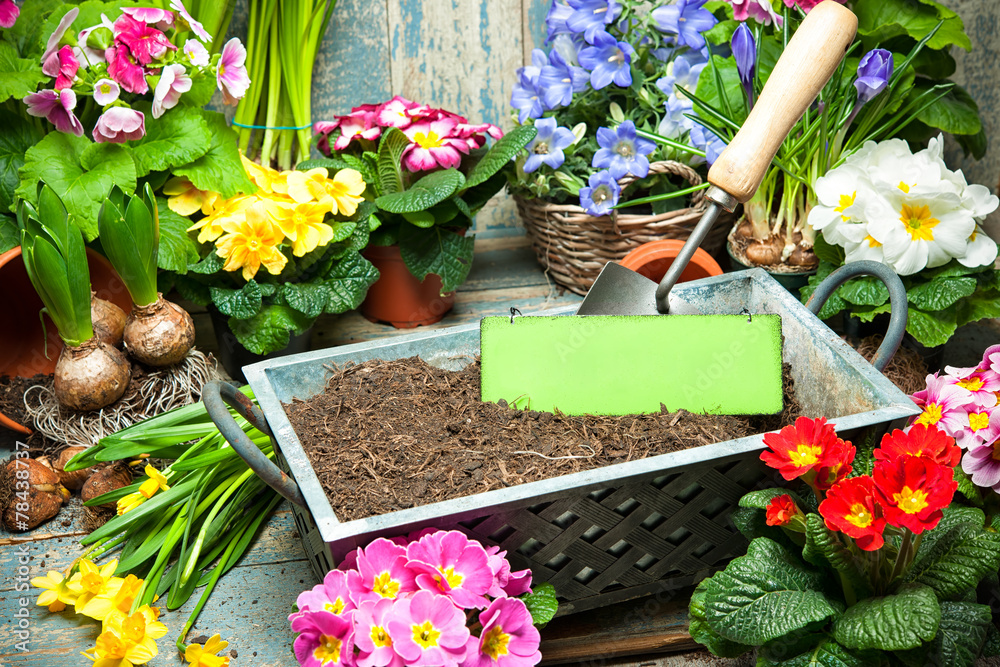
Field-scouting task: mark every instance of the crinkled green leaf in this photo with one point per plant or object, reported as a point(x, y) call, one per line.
point(541, 603)
point(18, 76)
point(824, 547)
point(869, 313)
point(428, 191)
point(80, 172)
point(827, 653)
point(932, 329)
point(188, 287)
point(991, 647)
point(959, 639)
point(984, 304)
point(885, 19)
point(310, 299)
point(209, 264)
point(241, 303)
point(439, 251)
point(765, 594)
point(828, 252)
point(864, 291)
point(957, 563)
point(177, 248)
point(26, 33)
point(203, 87)
point(390, 153)
point(177, 138)
point(955, 112)
point(952, 517)
point(762, 497)
point(219, 169)
point(890, 623)
point(500, 154)
point(17, 137)
point(702, 632)
point(270, 329)
point(971, 492)
point(348, 281)
point(834, 304)
point(940, 293)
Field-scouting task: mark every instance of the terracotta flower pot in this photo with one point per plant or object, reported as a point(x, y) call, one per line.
point(654, 258)
point(23, 341)
point(397, 297)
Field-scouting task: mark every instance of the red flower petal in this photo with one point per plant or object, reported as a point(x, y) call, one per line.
point(913, 490)
point(850, 507)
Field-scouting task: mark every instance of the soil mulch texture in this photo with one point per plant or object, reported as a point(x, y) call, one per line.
point(12, 390)
point(390, 435)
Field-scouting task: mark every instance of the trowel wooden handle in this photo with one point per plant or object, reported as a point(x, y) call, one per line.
point(808, 62)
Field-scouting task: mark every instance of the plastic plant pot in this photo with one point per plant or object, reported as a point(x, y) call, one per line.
point(397, 297)
point(652, 260)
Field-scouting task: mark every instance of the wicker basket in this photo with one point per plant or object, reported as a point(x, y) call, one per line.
point(574, 247)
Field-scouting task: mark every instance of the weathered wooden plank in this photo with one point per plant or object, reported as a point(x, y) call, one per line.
point(533, 13)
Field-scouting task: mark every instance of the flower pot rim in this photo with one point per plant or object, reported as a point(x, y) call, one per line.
point(662, 249)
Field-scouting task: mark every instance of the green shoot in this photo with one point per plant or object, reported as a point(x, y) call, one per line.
point(130, 233)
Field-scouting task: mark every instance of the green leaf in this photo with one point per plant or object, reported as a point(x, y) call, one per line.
point(890, 623)
point(219, 169)
point(981, 305)
point(177, 249)
point(179, 137)
point(956, 112)
point(19, 77)
point(270, 329)
point(308, 298)
point(439, 251)
point(429, 190)
point(952, 517)
point(940, 293)
point(959, 640)
point(931, 329)
point(422, 219)
point(974, 145)
point(864, 291)
point(241, 303)
point(827, 653)
point(203, 87)
point(209, 264)
point(348, 281)
point(25, 34)
point(331, 164)
point(883, 20)
point(721, 32)
point(958, 562)
point(541, 603)
point(10, 237)
point(991, 647)
point(762, 497)
point(80, 172)
point(390, 152)
point(702, 632)
point(765, 594)
point(501, 154)
point(476, 197)
point(827, 252)
point(965, 486)
point(834, 304)
point(823, 546)
point(18, 136)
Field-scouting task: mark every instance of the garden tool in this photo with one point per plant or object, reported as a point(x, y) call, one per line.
point(600, 361)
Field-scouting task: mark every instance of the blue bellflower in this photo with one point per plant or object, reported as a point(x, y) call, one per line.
point(686, 19)
point(706, 140)
point(745, 52)
point(622, 152)
point(675, 124)
point(591, 16)
point(682, 72)
point(559, 80)
point(601, 194)
point(555, 20)
point(526, 96)
point(608, 60)
point(547, 146)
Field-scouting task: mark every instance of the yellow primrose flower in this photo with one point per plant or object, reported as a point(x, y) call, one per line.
point(111, 650)
point(140, 629)
point(265, 178)
point(303, 224)
point(346, 189)
point(90, 581)
point(114, 601)
point(250, 242)
point(57, 591)
point(184, 198)
point(205, 657)
point(211, 225)
point(307, 186)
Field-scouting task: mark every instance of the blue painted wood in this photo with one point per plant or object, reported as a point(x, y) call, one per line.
point(534, 13)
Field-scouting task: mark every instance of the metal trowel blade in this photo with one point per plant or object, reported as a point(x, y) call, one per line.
point(620, 291)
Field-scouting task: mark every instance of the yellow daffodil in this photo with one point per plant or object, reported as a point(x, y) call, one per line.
point(267, 179)
point(57, 591)
point(211, 225)
point(347, 189)
point(114, 601)
point(184, 198)
point(139, 629)
point(205, 656)
point(155, 482)
point(112, 650)
point(251, 241)
point(90, 581)
point(129, 502)
point(302, 224)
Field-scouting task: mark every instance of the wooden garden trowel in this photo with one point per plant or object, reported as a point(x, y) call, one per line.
point(617, 355)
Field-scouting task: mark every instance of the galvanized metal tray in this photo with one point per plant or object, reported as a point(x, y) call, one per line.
point(613, 533)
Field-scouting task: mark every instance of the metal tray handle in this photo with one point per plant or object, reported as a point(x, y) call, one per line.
point(897, 302)
point(216, 395)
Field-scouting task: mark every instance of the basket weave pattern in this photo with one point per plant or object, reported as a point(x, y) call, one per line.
point(573, 246)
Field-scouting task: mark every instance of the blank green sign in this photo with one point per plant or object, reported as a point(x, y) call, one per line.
point(630, 364)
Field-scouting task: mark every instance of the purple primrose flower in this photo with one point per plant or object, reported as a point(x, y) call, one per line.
point(608, 61)
point(547, 146)
point(601, 194)
point(622, 152)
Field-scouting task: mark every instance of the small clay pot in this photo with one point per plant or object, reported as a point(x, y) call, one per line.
point(397, 297)
point(654, 258)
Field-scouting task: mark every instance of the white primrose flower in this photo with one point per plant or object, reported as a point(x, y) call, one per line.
point(980, 251)
point(839, 211)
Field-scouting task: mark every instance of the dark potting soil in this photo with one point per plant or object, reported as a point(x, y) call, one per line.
point(12, 390)
point(389, 435)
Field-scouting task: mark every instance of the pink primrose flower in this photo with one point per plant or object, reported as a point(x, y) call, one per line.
point(360, 123)
point(145, 43)
point(196, 27)
point(8, 13)
point(68, 67)
point(976, 427)
point(173, 82)
point(332, 595)
point(758, 10)
point(943, 405)
point(106, 91)
point(50, 67)
point(371, 635)
point(83, 53)
point(983, 461)
point(982, 383)
point(475, 135)
point(396, 112)
point(991, 358)
point(509, 637)
point(434, 145)
point(325, 639)
point(451, 564)
point(506, 583)
point(123, 69)
point(805, 5)
point(427, 629)
point(196, 53)
point(118, 125)
point(232, 74)
point(382, 572)
point(57, 108)
point(518, 583)
point(324, 128)
point(161, 18)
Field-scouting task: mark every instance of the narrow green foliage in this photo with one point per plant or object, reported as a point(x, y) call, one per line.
point(130, 233)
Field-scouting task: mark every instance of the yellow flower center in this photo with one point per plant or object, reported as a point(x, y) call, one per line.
point(426, 635)
point(92, 582)
point(109, 646)
point(385, 586)
point(105, 89)
point(860, 516)
point(134, 628)
point(495, 642)
point(911, 501)
point(380, 637)
point(979, 420)
point(971, 383)
point(253, 244)
point(872, 243)
point(845, 201)
point(931, 415)
point(429, 140)
point(222, 70)
point(904, 187)
point(126, 594)
point(454, 580)
point(328, 650)
point(804, 455)
point(335, 607)
point(918, 222)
